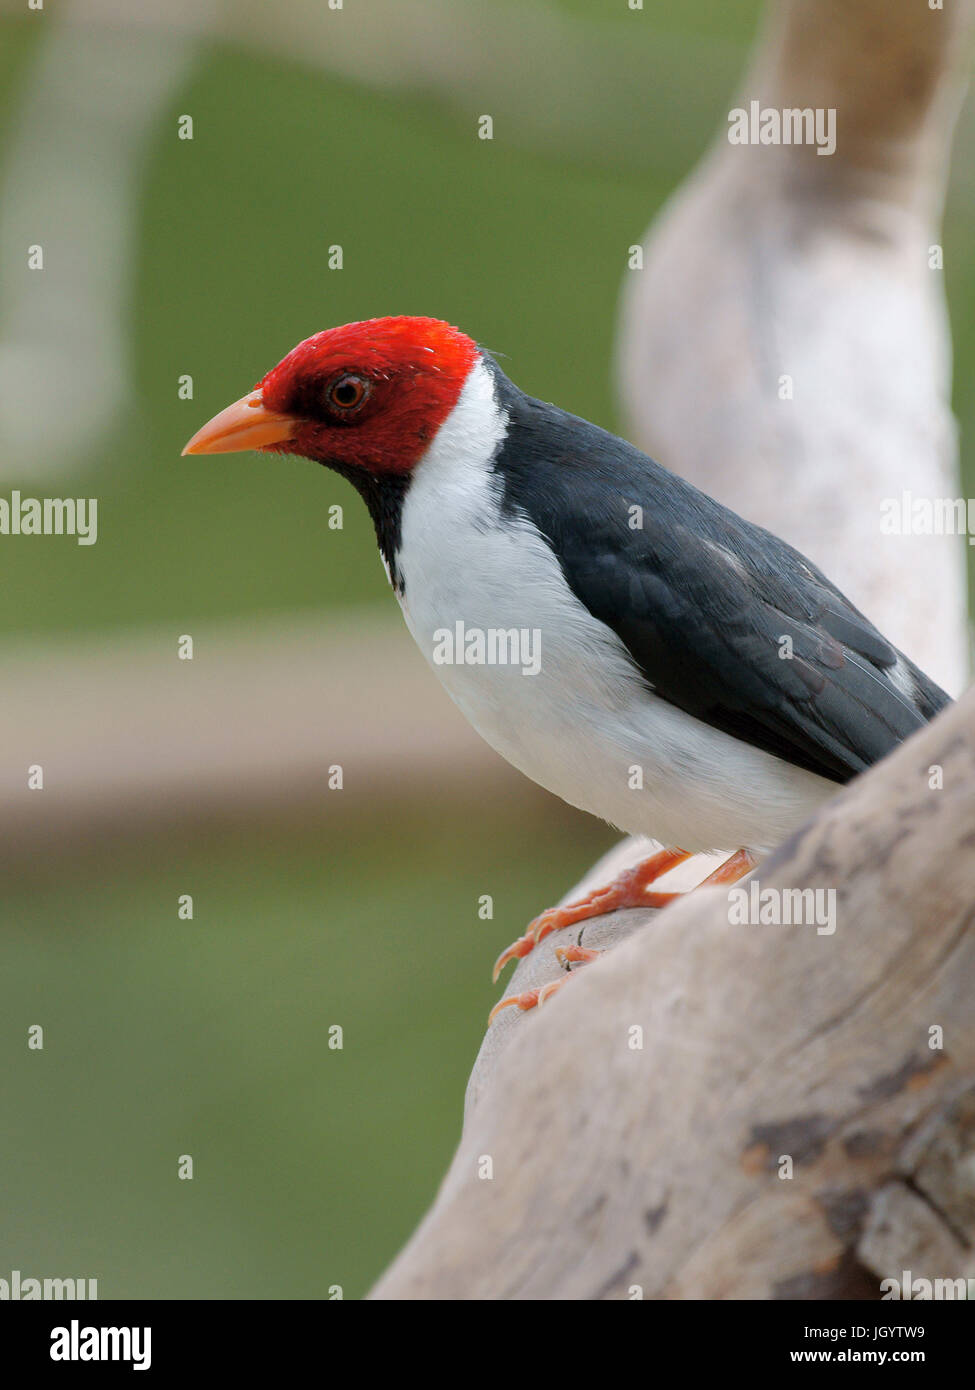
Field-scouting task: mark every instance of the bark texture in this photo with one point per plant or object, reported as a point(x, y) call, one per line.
point(639, 1130)
point(786, 345)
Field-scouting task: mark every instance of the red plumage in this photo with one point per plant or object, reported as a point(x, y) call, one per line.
point(414, 369)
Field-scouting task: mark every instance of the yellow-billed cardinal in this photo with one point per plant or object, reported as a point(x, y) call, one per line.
point(617, 635)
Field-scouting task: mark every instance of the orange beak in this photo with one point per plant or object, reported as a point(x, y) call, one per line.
point(246, 424)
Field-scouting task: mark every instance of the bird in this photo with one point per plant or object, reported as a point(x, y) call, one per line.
point(620, 637)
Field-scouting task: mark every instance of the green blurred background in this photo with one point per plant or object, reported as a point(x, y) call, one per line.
point(209, 1037)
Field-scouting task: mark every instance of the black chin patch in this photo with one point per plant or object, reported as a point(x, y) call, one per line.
point(384, 495)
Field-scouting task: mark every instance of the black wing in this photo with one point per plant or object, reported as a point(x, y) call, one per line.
point(724, 620)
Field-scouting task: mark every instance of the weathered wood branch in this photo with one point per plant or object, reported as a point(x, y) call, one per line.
point(786, 346)
point(616, 1168)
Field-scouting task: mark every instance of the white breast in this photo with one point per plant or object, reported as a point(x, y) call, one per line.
point(586, 727)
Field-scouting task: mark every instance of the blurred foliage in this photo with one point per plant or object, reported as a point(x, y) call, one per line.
point(210, 1037)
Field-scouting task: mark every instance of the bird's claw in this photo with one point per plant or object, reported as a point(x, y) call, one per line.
point(552, 919)
point(529, 999)
point(533, 998)
point(515, 951)
point(628, 889)
point(575, 955)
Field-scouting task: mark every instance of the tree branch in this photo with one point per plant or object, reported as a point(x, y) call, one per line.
point(786, 345)
point(657, 1167)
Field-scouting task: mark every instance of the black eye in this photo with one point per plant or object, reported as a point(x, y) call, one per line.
point(347, 391)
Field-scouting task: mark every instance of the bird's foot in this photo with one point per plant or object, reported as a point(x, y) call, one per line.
point(628, 889)
point(631, 888)
point(533, 998)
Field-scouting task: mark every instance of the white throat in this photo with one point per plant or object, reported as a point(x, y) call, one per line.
point(584, 720)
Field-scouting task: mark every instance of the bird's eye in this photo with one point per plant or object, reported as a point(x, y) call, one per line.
point(347, 392)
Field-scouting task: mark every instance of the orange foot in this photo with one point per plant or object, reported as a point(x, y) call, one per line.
point(533, 998)
point(628, 889)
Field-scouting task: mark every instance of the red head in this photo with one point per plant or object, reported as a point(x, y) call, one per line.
point(369, 395)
